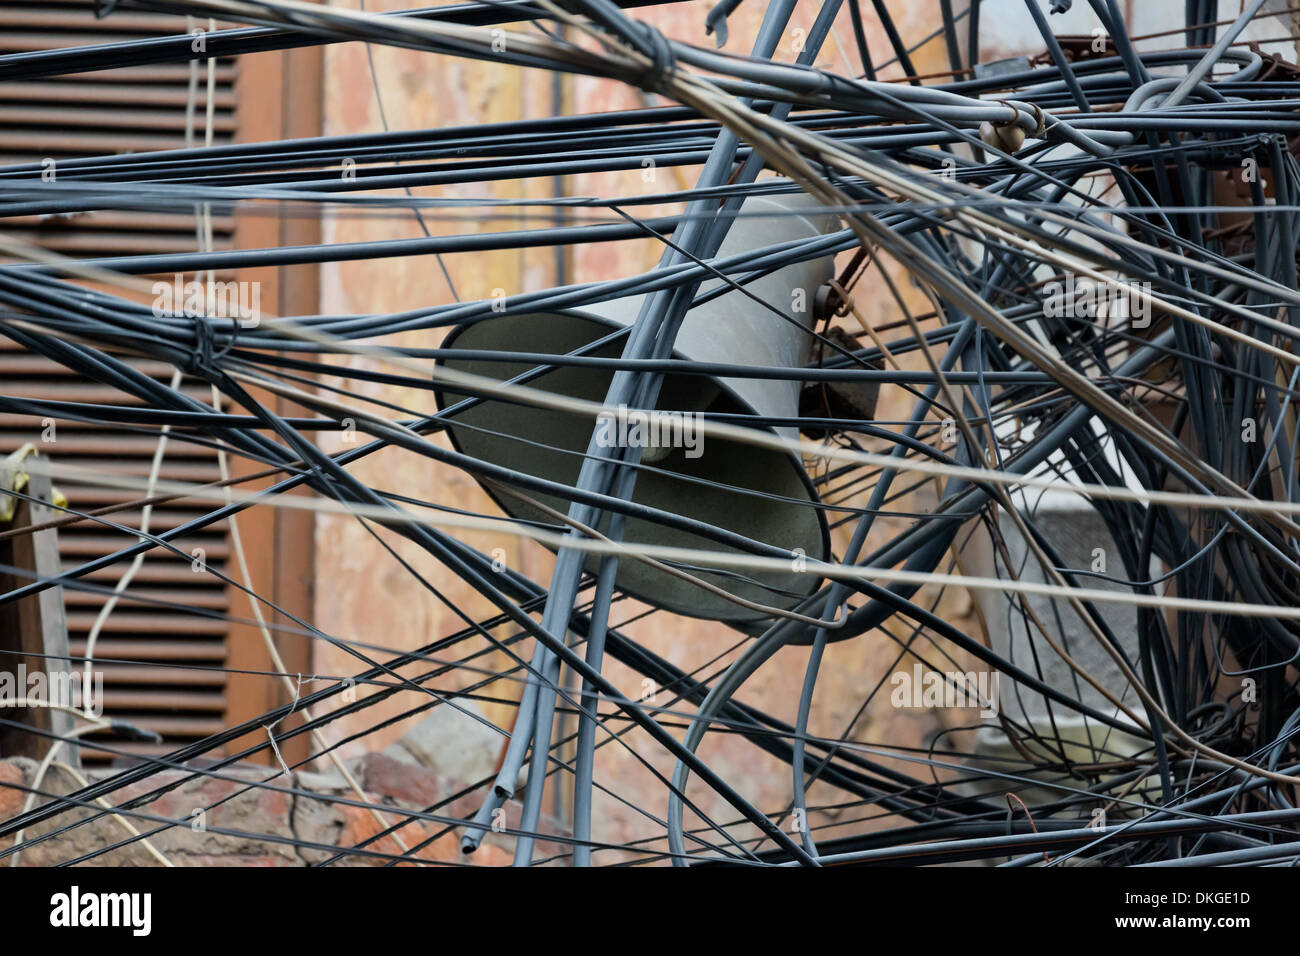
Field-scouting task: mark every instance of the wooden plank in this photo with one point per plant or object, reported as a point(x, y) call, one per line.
point(279, 97)
point(33, 631)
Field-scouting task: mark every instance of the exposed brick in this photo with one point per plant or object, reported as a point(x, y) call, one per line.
point(258, 812)
point(403, 782)
point(11, 797)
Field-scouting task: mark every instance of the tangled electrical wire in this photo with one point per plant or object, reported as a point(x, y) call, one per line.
point(1159, 689)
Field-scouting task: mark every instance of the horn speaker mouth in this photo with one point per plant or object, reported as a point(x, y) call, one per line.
point(760, 493)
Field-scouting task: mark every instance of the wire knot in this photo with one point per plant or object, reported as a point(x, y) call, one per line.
point(662, 58)
point(204, 353)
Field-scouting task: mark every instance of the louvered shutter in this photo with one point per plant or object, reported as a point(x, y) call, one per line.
point(124, 110)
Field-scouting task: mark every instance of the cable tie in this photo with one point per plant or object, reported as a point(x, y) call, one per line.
point(662, 58)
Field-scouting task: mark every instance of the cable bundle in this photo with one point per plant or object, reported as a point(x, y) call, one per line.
point(1102, 325)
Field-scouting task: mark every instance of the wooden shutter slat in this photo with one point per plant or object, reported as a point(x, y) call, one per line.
point(163, 676)
point(170, 650)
